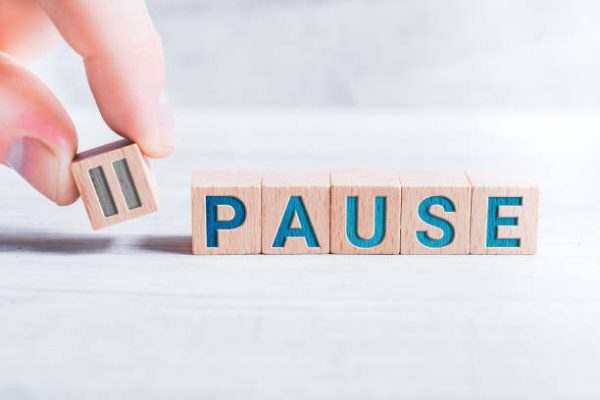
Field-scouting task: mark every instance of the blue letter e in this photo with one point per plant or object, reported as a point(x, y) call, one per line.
point(494, 221)
point(213, 225)
point(295, 206)
point(446, 227)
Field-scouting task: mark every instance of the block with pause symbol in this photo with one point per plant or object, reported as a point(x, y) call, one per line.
point(115, 183)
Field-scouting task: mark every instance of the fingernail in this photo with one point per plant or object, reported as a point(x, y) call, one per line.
point(166, 122)
point(37, 163)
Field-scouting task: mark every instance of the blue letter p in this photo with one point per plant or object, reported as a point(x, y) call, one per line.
point(213, 225)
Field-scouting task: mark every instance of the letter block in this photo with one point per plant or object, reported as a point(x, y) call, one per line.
point(115, 183)
point(295, 213)
point(436, 210)
point(226, 213)
point(365, 213)
point(504, 215)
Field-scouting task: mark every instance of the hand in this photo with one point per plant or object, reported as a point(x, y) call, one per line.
point(124, 62)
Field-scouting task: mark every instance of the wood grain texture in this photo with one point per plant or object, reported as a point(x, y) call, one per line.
point(366, 186)
point(277, 189)
point(104, 156)
point(416, 187)
point(245, 186)
point(486, 185)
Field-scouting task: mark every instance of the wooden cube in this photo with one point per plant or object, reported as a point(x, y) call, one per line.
point(115, 183)
point(365, 213)
point(436, 211)
point(295, 213)
point(226, 213)
point(504, 215)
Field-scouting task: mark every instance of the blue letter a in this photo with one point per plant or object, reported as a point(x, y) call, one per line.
point(295, 206)
point(213, 225)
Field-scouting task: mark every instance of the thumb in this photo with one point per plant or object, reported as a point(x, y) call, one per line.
point(37, 137)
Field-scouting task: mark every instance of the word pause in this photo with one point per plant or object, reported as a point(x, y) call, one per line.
point(362, 213)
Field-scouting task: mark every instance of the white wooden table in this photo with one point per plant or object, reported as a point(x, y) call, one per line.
point(128, 313)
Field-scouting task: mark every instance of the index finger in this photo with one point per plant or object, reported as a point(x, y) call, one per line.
point(124, 62)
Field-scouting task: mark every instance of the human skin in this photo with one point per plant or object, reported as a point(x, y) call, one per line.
point(124, 64)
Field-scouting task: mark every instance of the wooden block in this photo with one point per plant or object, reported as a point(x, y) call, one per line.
point(115, 183)
point(295, 213)
point(365, 213)
point(504, 215)
point(435, 213)
point(226, 213)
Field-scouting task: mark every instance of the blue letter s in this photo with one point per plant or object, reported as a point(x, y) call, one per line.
point(446, 227)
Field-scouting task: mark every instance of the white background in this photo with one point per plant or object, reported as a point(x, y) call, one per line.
point(370, 53)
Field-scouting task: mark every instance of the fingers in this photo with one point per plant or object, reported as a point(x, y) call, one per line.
point(25, 29)
point(37, 138)
point(124, 61)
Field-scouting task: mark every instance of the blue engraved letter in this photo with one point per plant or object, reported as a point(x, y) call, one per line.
point(446, 227)
point(295, 206)
point(213, 225)
point(378, 222)
point(494, 221)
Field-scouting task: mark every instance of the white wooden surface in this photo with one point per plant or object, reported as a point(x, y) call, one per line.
point(127, 312)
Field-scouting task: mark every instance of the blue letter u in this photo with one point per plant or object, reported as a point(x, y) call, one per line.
point(378, 222)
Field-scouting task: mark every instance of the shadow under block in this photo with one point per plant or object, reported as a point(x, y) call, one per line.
point(115, 183)
point(226, 213)
point(295, 213)
point(436, 210)
point(365, 213)
point(504, 215)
